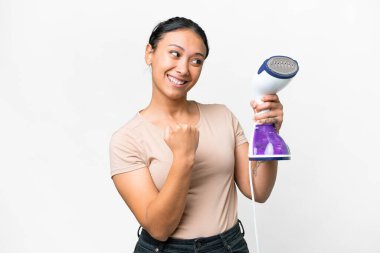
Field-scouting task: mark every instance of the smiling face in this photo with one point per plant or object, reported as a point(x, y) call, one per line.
point(176, 63)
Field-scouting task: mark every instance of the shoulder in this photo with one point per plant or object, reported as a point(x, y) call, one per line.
point(214, 108)
point(218, 112)
point(129, 132)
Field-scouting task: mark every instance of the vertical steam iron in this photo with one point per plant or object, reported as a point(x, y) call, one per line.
point(273, 75)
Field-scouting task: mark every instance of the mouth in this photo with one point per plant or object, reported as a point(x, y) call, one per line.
point(176, 82)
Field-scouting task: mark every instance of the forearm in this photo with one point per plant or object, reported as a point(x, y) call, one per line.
point(263, 177)
point(165, 211)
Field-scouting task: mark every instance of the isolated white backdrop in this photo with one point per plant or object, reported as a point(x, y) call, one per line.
point(72, 72)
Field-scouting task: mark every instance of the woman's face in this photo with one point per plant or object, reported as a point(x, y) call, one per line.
point(176, 62)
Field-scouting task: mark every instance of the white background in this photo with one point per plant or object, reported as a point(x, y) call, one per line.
point(72, 72)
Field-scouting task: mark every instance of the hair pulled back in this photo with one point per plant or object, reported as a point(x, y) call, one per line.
point(175, 24)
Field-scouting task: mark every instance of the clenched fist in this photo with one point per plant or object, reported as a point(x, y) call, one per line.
point(182, 139)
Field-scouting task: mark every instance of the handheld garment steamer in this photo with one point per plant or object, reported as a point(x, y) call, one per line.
point(266, 145)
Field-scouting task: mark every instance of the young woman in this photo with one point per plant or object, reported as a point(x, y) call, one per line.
point(176, 162)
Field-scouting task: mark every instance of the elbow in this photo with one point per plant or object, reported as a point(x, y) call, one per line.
point(159, 228)
point(160, 236)
point(261, 198)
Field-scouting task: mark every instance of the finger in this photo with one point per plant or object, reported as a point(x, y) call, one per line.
point(183, 126)
point(174, 128)
point(270, 98)
point(261, 107)
point(270, 117)
point(268, 106)
point(264, 106)
point(265, 115)
point(266, 121)
point(271, 114)
point(253, 104)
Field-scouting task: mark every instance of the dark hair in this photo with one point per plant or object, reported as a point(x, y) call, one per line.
point(175, 24)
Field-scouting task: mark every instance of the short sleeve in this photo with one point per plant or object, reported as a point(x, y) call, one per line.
point(238, 131)
point(125, 154)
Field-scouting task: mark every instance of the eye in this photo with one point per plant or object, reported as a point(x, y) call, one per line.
point(174, 53)
point(197, 62)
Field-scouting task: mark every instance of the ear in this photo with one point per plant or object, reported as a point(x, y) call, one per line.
point(148, 54)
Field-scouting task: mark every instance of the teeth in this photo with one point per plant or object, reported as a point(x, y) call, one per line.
point(175, 80)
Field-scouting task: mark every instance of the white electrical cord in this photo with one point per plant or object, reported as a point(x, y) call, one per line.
point(253, 205)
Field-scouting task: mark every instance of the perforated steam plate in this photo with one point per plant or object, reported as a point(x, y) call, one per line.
point(282, 65)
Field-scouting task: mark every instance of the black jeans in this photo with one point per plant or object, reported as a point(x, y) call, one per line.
point(230, 241)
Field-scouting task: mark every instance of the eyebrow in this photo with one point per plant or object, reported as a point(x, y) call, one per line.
point(184, 50)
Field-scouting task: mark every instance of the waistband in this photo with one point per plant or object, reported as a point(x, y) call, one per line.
point(225, 236)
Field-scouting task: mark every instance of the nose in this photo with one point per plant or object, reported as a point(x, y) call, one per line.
point(182, 67)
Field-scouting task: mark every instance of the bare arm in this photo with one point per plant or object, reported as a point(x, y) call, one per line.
point(160, 212)
point(264, 173)
point(263, 180)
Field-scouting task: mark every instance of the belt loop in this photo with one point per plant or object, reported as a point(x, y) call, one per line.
point(225, 244)
point(139, 231)
point(241, 225)
point(223, 240)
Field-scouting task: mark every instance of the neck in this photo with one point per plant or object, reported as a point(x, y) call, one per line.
point(161, 105)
